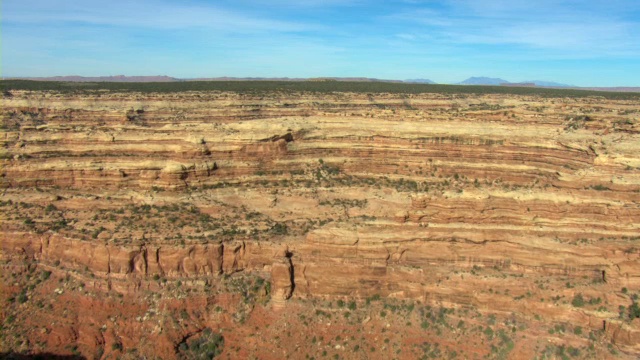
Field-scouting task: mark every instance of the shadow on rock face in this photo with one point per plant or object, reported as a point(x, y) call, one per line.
point(41, 356)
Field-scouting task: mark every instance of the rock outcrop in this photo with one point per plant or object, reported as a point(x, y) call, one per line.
point(506, 205)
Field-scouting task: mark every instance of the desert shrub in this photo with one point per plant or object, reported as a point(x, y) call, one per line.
point(280, 229)
point(22, 298)
point(207, 346)
point(45, 275)
point(578, 300)
point(634, 311)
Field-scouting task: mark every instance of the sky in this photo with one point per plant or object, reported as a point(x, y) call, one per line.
point(576, 42)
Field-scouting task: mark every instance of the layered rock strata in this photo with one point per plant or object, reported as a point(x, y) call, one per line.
point(443, 199)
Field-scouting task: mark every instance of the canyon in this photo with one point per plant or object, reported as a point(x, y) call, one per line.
point(285, 224)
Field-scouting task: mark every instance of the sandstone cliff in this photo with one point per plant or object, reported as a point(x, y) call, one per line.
point(206, 205)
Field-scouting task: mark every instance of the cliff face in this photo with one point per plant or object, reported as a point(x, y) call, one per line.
point(169, 214)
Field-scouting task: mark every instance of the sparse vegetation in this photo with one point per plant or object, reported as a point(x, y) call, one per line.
point(578, 300)
point(208, 345)
point(262, 87)
point(338, 197)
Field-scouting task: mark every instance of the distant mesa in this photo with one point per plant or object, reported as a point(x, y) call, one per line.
point(419, 81)
point(547, 83)
point(483, 81)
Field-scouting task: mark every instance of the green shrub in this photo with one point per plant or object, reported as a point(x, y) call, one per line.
point(207, 346)
point(578, 300)
point(280, 229)
point(634, 311)
point(22, 298)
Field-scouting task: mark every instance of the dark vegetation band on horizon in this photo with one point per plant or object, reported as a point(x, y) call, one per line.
point(301, 86)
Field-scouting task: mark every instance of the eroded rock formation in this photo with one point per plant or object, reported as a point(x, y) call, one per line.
point(510, 206)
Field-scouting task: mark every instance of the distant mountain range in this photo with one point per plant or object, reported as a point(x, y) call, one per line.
point(164, 78)
point(548, 83)
point(483, 81)
point(498, 81)
point(470, 81)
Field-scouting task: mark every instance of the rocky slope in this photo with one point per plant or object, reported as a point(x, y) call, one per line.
point(263, 225)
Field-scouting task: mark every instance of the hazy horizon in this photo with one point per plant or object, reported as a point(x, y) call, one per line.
point(582, 43)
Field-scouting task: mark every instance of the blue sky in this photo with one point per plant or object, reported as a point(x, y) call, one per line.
point(584, 43)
